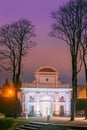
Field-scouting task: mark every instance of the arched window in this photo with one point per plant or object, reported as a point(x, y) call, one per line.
point(31, 98)
point(61, 99)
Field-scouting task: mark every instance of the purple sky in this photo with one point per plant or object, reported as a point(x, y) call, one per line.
point(49, 51)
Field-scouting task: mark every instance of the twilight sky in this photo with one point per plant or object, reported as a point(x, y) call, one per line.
point(49, 51)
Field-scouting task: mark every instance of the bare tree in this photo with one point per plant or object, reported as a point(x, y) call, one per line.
point(84, 55)
point(15, 43)
point(84, 59)
point(69, 23)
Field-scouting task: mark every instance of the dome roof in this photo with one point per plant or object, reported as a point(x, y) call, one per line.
point(46, 69)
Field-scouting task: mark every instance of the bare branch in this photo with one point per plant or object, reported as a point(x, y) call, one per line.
point(70, 21)
point(15, 43)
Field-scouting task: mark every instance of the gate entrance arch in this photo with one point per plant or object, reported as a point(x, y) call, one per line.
point(46, 106)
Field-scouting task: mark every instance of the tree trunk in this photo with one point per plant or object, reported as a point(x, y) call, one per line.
point(74, 87)
point(86, 80)
point(85, 67)
point(16, 84)
point(15, 103)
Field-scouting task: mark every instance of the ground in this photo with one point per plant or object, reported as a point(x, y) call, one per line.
point(11, 123)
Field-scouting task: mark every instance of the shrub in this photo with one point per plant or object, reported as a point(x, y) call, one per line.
point(7, 106)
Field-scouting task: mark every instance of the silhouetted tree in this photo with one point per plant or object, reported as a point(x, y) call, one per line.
point(84, 59)
point(15, 43)
point(70, 21)
point(84, 55)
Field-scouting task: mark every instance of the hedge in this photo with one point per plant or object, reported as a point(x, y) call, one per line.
point(81, 104)
point(7, 106)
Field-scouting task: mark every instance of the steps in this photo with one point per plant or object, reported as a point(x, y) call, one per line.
point(32, 126)
point(47, 126)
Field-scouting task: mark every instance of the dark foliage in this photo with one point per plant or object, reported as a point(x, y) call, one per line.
point(7, 106)
point(81, 104)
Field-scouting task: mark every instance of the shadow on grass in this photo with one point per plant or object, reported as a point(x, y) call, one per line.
point(11, 123)
point(5, 124)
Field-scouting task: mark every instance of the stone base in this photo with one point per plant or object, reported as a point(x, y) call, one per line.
point(38, 113)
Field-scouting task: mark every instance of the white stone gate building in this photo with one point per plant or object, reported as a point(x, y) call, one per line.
point(46, 94)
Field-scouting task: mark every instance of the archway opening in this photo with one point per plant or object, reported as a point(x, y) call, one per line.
point(46, 106)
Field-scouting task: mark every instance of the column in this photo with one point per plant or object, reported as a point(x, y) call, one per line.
point(37, 111)
point(68, 104)
point(56, 111)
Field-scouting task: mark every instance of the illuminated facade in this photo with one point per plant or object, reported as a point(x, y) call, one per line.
point(46, 94)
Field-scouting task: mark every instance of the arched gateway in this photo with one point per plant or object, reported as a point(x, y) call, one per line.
point(46, 106)
point(46, 94)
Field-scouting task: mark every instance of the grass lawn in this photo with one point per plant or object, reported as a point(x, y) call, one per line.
point(11, 123)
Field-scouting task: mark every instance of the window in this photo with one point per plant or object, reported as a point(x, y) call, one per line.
point(31, 98)
point(61, 110)
point(61, 99)
point(47, 79)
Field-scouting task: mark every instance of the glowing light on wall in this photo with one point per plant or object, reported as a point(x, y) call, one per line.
point(10, 92)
